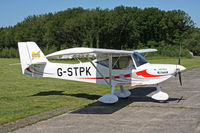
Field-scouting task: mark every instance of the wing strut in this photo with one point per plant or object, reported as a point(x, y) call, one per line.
point(110, 98)
point(110, 70)
point(100, 73)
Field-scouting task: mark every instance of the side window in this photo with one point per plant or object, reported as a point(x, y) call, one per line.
point(124, 62)
point(103, 63)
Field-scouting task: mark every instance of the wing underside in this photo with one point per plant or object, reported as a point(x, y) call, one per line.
point(92, 52)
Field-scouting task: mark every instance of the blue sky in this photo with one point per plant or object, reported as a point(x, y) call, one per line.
point(13, 11)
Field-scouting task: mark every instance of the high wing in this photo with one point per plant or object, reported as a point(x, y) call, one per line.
point(141, 51)
point(81, 52)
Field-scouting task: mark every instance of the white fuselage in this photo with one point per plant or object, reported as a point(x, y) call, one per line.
point(86, 72)
point(111, 67)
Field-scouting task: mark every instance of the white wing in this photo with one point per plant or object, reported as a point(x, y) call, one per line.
point(92, 52)
point(145, 50)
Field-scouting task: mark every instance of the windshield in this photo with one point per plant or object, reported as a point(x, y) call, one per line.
point(139, 59)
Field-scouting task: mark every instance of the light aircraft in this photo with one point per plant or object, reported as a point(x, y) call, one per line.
point(111, 67)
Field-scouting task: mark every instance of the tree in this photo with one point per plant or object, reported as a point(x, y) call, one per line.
point(118, 28)
point(192, 42)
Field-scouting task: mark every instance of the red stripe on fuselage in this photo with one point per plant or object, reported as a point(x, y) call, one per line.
point(144, 73)
point(28, 69)
point(127, 75)
point(116, 77)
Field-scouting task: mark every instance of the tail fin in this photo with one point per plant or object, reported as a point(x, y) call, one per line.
point(30, 54)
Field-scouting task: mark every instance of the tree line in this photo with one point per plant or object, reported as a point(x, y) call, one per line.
point(118, 28)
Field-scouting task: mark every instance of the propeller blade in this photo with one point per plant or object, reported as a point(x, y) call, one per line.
point(180, 80)
point(179, 59)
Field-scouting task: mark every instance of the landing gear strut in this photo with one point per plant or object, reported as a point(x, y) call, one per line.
point(122, 93)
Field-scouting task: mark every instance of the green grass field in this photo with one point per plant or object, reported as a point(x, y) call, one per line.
point(22, 96)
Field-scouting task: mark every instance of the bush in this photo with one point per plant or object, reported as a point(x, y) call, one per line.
point(9, 53)
point(173, 51)
point(170, 51)
point(14, 53)
point(48, 50)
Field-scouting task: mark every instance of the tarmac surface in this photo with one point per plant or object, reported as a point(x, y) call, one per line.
point(137, 114)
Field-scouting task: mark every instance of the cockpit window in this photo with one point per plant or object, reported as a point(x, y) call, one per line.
point(103, 63)
point(139, 59)
point(123, 62)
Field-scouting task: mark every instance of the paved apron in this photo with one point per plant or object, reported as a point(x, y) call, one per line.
point(136, 114)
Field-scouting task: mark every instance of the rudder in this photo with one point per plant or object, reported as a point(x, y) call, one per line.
point(30, 54)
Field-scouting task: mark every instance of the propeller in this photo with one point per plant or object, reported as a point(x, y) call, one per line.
point(179, 62)
point(179, 75)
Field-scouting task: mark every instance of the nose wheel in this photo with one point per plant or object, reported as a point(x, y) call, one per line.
point(160, 95)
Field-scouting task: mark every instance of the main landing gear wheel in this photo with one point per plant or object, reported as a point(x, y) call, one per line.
point(109, 98)
point(122, 93)
point(160, 95)
point(113, 96)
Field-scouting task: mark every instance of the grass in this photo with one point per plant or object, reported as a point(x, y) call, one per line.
point(22, 96)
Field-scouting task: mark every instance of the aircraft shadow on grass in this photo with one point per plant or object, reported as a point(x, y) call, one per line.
point(138, 94)
point(61, 93)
